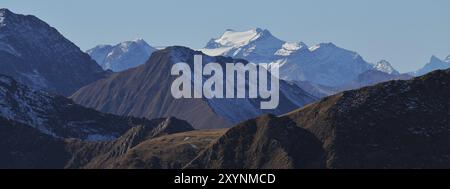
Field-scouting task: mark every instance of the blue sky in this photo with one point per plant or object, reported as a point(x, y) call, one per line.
point(404, 32)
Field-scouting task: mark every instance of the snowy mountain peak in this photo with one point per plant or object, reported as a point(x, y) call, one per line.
point(290, 47)
point(122, 56)
point(232, 38)
point(434, 64)
point(256, 44)
point(385, 66)
point(236, 39)
point(324, 63)
point(447, 59)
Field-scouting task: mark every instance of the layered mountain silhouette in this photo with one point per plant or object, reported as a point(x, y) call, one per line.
point(129, 119)
point(144, 91)
point(34, 53)
point(122, 56)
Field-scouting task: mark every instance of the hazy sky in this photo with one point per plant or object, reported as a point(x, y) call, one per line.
point(404, 32)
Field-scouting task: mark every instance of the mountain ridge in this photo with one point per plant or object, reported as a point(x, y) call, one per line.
point(36, 54)
point(57, 116)
point(107, 93)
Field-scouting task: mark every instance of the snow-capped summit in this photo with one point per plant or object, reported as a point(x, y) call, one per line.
point(434, 64)
point(386, 67)
point(237, 39)
point(231, 38)
point(257, 44)
point(290, 47)
point(122, 56)
point(325, 63)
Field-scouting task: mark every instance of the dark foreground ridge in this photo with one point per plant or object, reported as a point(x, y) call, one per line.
point(397, 124)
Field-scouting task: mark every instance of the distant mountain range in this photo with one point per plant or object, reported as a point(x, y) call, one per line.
point(434, 64)
point(37, 55)
point(125, 55)
point(144, 91)
point(324, 64)
point(329, 66)
point(372, 77)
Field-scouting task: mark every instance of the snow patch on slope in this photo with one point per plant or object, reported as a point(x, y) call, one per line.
point(289, 47)
point(24, 106)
